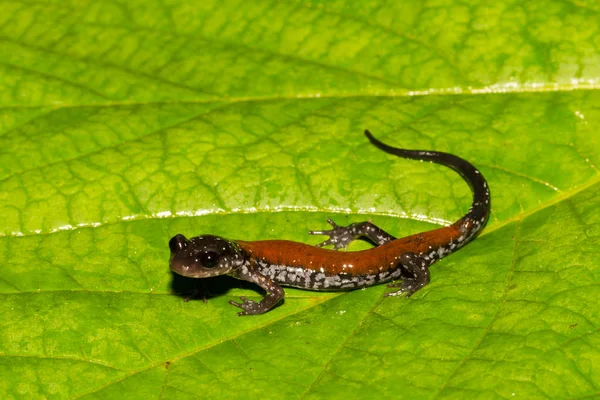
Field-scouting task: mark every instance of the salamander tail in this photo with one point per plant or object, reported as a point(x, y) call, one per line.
point(480, 208)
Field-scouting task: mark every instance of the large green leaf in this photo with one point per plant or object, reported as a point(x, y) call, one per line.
point(123, 124)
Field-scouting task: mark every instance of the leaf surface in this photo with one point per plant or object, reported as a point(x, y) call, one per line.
point(123, 124)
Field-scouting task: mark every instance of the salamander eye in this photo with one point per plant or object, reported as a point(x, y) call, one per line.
point(209, 259)
point(177, 242)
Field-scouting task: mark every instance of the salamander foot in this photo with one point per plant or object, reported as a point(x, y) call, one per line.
point(407, 286)
point(202, 290)
point(250, 307)
point(340, 236)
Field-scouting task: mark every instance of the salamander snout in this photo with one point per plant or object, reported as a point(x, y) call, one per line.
point(177, 242)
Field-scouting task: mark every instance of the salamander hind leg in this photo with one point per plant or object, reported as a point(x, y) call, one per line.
point(341, 236)
point(415, 277)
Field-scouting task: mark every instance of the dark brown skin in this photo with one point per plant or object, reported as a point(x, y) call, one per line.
point(272, 263)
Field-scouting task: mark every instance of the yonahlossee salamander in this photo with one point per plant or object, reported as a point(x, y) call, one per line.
point(274, 263)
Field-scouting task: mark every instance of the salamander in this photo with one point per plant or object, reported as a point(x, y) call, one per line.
point(272, 264)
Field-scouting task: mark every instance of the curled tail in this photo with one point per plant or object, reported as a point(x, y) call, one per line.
point(479, 212)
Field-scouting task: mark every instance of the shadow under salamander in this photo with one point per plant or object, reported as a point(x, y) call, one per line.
point(206, 288)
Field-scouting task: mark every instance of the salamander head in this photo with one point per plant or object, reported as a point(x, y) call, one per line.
point(203, 256)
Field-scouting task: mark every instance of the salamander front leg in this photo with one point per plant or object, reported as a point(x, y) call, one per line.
point(417, 275)
point(274, 293)
point(341, 236)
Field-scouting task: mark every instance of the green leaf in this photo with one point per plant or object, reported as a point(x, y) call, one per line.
point(123, 124)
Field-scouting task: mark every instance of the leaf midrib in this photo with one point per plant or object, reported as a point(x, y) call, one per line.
point(561, 196)
point(492, 89)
